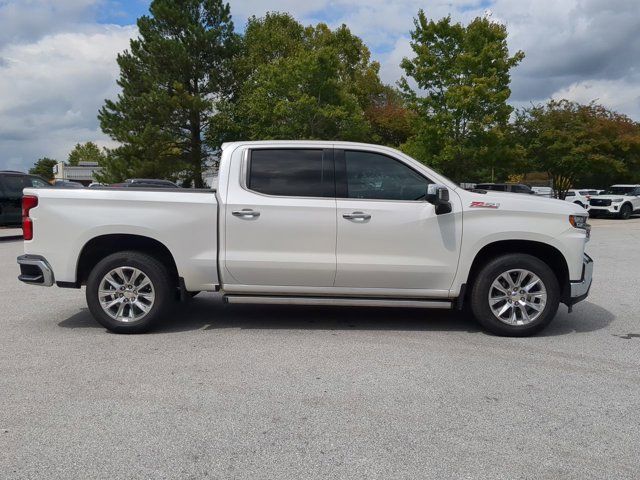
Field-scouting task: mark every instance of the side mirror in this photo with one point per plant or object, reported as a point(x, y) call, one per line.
point(438, 195)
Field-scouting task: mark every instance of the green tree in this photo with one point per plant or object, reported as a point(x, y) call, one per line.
point(172, 78)
point(462, 79)
point(86, 152)
point(579, 145)
point(392, 123)
point(44, 168)
point(300, 82)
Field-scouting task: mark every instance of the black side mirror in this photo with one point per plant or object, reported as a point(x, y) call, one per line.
point(438, 195)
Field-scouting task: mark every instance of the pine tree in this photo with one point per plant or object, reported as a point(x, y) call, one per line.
point(171, 78)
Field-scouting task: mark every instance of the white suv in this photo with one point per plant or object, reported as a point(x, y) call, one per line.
point(619, 200)
point(580, 197)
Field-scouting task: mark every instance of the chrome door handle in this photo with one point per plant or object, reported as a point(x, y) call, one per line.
point(357, 216)
point(245, 213)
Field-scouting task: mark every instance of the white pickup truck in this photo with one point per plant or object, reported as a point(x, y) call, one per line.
point(311, 223)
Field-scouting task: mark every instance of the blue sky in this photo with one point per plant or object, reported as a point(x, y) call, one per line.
point(57, 57)
point(121, 12)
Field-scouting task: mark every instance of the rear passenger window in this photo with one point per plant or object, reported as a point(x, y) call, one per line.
point(572, 194)
point(291, 172)
point(35, 182)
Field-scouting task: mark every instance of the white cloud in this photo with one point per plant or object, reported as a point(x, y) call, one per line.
point(27, 20)
point(52, 90)
point(620, 95)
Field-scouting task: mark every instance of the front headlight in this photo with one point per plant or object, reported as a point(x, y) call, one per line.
point(578, 221)
point(617, 200)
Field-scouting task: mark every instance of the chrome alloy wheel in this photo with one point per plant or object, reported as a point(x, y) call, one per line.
point(126, 294)
point(517, 297)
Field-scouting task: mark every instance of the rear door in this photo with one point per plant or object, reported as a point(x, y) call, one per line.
point(280, 218)
point(389, 236)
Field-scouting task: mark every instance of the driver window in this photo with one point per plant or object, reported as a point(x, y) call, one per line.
point(375, 176)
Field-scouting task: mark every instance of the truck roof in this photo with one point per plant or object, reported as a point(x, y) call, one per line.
point(319, 143)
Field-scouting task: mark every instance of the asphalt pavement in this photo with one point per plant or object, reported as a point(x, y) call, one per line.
point(255, 392)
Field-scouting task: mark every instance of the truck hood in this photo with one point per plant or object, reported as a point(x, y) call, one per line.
point(519, 202)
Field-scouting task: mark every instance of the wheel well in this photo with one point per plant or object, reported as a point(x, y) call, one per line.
point(547, 253)
point(99, 247)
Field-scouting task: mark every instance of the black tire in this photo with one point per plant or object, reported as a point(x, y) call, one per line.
point(479, 297)
point(625, 212)
point(164, 288)
point(594, 214)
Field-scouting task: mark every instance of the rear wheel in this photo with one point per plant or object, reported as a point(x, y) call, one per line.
point(128, 292)
point(515, 295)
point(626, 211)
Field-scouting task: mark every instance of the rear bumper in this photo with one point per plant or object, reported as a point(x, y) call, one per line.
point(580, 288)
point(35, 270)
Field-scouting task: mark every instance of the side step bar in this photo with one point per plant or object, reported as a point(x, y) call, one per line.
point(352, 302)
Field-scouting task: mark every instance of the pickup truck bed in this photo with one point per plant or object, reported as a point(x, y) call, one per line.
point(89, 221)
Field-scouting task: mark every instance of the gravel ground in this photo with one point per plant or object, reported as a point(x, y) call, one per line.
point(302, 393)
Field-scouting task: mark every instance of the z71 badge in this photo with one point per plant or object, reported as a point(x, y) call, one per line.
point(484, 205)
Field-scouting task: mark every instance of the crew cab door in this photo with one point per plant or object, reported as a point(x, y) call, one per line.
point(280, 218)
point(389, 236)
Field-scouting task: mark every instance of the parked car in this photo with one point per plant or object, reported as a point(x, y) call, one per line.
point(546, 192)
point(312, 223)
point(67, 184)
point(11, 186)
point(618, 200)
point(580, 196)
point(505, 187)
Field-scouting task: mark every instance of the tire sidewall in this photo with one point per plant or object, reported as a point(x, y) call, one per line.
point(154, 270)
point(480, 293)
point(626, 211)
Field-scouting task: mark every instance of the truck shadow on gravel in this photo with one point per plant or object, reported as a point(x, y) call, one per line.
point(207, 312)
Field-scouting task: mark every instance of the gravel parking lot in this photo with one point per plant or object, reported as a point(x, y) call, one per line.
point(274, 392)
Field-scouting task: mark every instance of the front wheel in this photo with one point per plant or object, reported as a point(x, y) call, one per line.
point(128, 292)
point(626, 211)
point(515, 295)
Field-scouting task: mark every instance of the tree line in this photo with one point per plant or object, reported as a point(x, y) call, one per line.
point(190, 82)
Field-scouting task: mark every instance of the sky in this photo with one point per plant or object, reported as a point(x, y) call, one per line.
point(58, 57)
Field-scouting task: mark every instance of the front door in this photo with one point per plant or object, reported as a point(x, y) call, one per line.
point(280, 218)
point(389, 236)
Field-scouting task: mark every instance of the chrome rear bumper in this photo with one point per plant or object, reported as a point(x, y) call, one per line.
point(35, 270)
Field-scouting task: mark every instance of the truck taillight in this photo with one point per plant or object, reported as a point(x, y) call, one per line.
point(28, 202)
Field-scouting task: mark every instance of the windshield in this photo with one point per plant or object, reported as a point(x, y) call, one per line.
point(618, 190)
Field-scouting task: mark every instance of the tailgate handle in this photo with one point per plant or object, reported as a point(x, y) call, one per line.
point(245, 213)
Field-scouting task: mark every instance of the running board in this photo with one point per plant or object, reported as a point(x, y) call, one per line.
point(345, 302)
